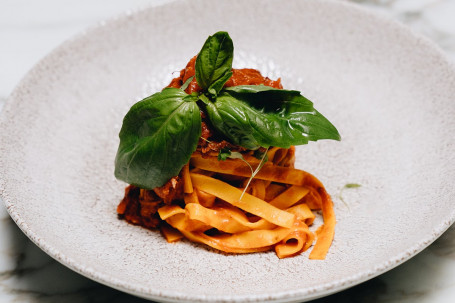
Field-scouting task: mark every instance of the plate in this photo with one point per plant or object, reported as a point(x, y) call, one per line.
point(389, 92)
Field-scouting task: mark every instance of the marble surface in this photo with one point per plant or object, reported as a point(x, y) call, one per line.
point(30, 29)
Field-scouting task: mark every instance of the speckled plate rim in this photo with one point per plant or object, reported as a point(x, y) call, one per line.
point(299, 295)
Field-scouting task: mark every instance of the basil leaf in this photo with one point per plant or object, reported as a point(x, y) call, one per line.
point(236, 155)
point(218, 84)
point(253, 116)
point(214, 62)
point(224, 154)
point(352, 185)
point(157, 138)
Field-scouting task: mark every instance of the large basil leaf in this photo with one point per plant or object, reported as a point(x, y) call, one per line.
point(254, 116)
point(157, 138)
point(214, 62)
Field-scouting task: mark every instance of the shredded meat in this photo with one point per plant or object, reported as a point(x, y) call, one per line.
point(139, 207)
point(172, 190)
point(244, 76)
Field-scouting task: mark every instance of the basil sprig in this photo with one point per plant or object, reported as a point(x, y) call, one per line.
point(160, 133)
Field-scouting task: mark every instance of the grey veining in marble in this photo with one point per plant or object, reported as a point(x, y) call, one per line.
point(29, 30)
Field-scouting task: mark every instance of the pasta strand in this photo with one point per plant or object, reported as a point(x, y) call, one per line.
point(249, 203)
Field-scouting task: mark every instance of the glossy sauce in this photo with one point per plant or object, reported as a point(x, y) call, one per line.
point(244, 76)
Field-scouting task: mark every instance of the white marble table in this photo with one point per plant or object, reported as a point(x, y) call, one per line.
point(30, 29)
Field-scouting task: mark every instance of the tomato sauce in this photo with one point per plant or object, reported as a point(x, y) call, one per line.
point(139, 206)
point(244, 76)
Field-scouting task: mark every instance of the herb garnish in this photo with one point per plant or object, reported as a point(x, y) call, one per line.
point(347, 186)
point(160, 133)
point(227, 153)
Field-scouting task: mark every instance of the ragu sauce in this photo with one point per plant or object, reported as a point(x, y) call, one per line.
point(244, 76)
point(139, 206)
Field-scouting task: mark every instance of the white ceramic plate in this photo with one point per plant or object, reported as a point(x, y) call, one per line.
point(389, 92)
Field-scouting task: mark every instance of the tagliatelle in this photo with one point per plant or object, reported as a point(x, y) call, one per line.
point(271, 215)
point(248, 203)
point(268, 172)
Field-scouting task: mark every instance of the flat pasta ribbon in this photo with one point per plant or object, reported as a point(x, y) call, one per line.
point(275, 214)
